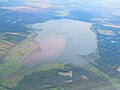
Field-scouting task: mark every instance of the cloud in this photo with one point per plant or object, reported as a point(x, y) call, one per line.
point(28, 5)
point(62, 13)
point(19, 8)
point(38, 3)
point(3, 0)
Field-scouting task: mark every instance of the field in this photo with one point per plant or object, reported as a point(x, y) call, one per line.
point(79, 79)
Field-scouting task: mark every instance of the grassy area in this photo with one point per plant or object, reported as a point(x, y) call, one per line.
point(49, 79)
point(12, 60)
point(100, 73)
point(4, 46)
point(95, 77)
point(12, 81)
point(99, 70)
point(8, 40)
point(12, 64)
point(45, 67)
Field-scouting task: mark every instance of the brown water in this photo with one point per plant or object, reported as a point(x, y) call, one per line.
point(62, 41)
point(50, 48)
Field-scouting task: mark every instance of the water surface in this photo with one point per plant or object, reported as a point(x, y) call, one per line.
point(62, 41)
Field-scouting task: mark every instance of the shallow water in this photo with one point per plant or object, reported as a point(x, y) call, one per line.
point(62, 41)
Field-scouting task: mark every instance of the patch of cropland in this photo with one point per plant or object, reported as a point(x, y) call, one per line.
point(68, 78)
point(8, 40)
point(11, 33)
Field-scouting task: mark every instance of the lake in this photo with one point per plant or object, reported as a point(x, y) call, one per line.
point(62, 41)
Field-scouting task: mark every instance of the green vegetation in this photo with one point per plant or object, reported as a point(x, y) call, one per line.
point(13, 80)
point(51, 80)
point(13, 57)
point(100, 70)
point(12, 54)
point(8, 40)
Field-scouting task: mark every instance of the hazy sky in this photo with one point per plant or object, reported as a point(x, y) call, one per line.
point(103, 2)
point(86, 3)
point(78, 1)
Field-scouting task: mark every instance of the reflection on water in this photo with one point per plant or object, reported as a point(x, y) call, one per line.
point(62, 41)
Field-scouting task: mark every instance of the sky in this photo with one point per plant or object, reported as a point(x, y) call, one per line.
point(103, 2)
point(109, 4)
